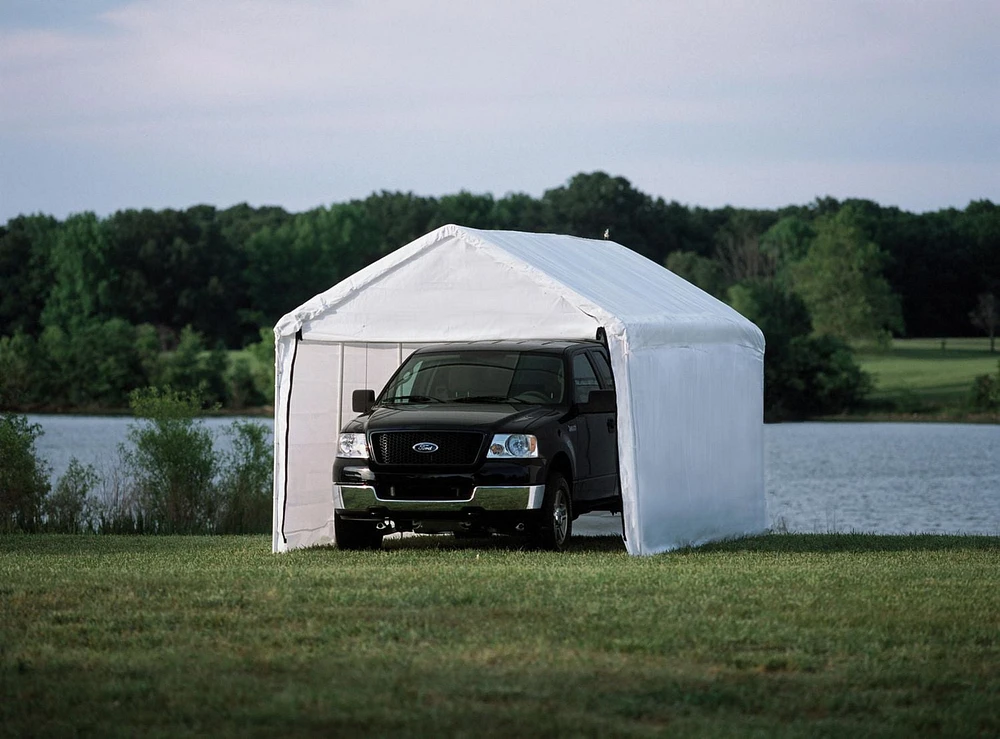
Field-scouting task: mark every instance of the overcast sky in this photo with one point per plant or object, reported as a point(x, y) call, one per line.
point(167, 103)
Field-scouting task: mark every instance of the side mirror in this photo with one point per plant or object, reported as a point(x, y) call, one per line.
point(362, 400)
point(601, 401)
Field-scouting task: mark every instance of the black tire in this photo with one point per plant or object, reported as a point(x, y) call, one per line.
point(356, 535)
point(557, 515)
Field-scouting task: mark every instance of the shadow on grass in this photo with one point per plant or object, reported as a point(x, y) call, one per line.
point(777, 543)
point(578, 544)
point(850, 542)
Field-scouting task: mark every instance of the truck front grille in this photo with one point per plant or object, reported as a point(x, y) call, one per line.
point(458, 448)
point(425, 491)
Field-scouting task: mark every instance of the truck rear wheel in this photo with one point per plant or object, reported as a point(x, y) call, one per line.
point(557, 515)
point(356, 535)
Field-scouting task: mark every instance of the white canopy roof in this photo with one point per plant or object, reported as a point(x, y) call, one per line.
point(688, 369)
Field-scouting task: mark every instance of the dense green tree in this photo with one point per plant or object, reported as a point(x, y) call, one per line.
point(83, 272)
point(787, 242)
point(780, 315)
point(475, 211)
point(94, 363)
point(23, 369)
point(738, 248)
point(519, 212)
point(303, 257)
point(804, 375)
point(980, 230)
point(701, 271)
point(840, 279)
point(986, 316)
point(26, 273)
point(193, 368)
point(175, 268)
point(592, 204)
point(399, 217)
point(261, 355)
point(239, 222)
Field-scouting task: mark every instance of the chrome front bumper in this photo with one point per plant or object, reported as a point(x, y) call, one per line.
point(512, 498)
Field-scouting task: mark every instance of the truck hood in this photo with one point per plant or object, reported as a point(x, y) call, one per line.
point(489, 417)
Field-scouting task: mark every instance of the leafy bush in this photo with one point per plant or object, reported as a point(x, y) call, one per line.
point(92, 363)
point(193, 368)
point(69, 510)
point(245, 484)
point(24, 478)
point(241, 390)
point(21, 366)
point(986, 393)
point(262, 353)
point(170, 464)
point(829, 380)
point(804, 375)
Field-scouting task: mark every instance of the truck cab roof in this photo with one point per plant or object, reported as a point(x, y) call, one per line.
point(553, 346)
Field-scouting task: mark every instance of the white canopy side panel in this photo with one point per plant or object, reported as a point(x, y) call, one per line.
point(619, 351)
point(313, 410)
point(697, 430)
point(322, 380)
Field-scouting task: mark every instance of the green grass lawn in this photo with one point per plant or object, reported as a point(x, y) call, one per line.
point(783, 635)
point(917, 374)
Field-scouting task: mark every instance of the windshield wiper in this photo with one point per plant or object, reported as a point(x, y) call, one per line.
point(411, 399)
point(487, 399)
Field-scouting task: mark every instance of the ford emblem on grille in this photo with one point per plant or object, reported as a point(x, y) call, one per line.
point(426, 447)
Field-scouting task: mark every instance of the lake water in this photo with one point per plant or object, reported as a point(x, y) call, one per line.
point(886, 478)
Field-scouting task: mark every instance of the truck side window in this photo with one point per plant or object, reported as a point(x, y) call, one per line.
point(603, 369)
point(584, 379)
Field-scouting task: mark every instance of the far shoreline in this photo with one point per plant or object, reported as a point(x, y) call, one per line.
point(267, 411)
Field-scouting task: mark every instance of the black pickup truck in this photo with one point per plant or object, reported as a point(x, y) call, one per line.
point(513, 437)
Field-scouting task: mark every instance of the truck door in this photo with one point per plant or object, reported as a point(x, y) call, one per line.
point(584, 379)
point(603, 434)
point(599, 453)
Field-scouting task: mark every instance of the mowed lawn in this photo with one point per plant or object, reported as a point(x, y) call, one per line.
point(918, 372)
point(783, 635)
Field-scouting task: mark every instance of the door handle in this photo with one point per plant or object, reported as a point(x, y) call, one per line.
point(611, 425)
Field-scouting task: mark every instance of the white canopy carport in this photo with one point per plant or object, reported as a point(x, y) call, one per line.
point(688, 370)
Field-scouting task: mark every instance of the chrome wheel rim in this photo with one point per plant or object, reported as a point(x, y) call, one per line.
point(560, 518)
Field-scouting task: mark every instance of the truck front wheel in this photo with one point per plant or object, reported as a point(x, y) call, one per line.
point(557, 515)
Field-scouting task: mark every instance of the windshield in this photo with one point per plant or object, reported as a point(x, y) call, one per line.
point(477, 376)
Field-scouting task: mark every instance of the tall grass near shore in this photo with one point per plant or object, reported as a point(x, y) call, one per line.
point(822, 635)
point(168, 476)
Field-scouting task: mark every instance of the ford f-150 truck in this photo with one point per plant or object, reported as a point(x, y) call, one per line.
point(481, 437)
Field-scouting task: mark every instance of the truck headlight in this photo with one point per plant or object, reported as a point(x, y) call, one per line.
point(352, 445)
point(513, 446)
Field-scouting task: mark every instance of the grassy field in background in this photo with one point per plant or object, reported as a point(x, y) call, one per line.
point(782, 635)
point(917, 375)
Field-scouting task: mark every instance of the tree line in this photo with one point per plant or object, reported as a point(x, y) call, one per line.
point(92, 307)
